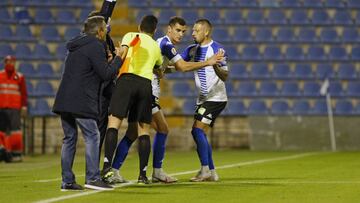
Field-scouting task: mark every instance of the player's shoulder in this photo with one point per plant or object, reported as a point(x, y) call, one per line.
point(192, 46)
point(216, 45)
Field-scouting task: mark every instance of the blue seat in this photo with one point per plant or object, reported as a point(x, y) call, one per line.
point(255, 17)
point(22, 51)
point(329, 35)
point(50, 33)
point(5, 16)
point(251, 53)
point(263, 35)
point(189, 107)
point(280, 107)
point(353, 89)
point(242, 35)
point(259, 71)
point(320, 107)
point(277, 17)
point(347, 71)
point(311, 89)
point(334, 4)
point(324, 71)
point(301, 107)
point(222, 35)
point(71, 32)
point(257, 107)
point(357, 18)
point(42, 52)
point(44, 88)
point(247, 3)
point(190, 15)
point(316, 53)
point(84, 13)
point(43, 16)
point(307, 35)
point(80, 3)
point(247, 89)
point(294, 53)
point(213, 16)
point(182, 89)
point(281, 71)
point(350, 35)
point(230, 90)
point(268, 89)
point(338, 53)
point(23, 33)
point(320, 17)
point(29, 88)
point(335, 89)
point(290, 3)
point(160, 4)
point(273, 53)
point(290, 89)
point(238, 71)
point(182, 3)
point(299, 17)
point(355, 53)
point(5, 49)
point(203, 3)
point(165, 15)
point(343, 107)
point(233, 16)
point(312, 4)
point(61, 51)
point(138, 3)
point(6, 34)
point(236, 108)
point(353, 3)
point(66, 17)
point(342, 17)
point(45, 70)
point(232, 53)
point(28, 70)
point(303, 71)
point(285, 35)
point(225, 4)
point(41, 108)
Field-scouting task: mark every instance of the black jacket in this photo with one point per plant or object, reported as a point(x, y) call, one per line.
point(86, 67)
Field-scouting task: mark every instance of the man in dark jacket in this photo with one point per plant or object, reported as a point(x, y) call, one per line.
point(77, 100)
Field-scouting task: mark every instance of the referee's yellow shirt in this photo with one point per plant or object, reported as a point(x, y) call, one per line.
point(143, 54)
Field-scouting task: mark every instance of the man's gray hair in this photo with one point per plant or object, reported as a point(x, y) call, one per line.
point(93, 24)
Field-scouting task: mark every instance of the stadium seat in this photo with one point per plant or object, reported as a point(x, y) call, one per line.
point(337, 53)
point(277, 17)
point(238, 71)
point(233, 16)
point(247, 89)
point(66, 17)
point(280, 107)
point(5, 49)
point(182, 89)
point(303, 71)
point(71, 32)
point(320, 108)
point(257, 107)
point(213, 16)
point(285, 35)
point(138, 3)
point(22, 15)
point(329, 35)
point(353, 3)
point(290, 89)
point(357, 18)
point(160, 4)
point(84, 14)
point(335, 89)
point(50, 33)
point(290, 3)
point(222, 35)
point(29, 88)
point(44, 88)
point(182, 4)
point(189, 106)
point(294, 53)
point(281, 71)
point(320, 17)
point(268, 89)
point(353, 89)
point(230, 90)
point(324, 71)
point(6, 34)
point(80, 3)
point(272, 53)
point(5, 16)
point(312, 4)
point(61, 51)
point(347, 71)
point(301, 107)
point(263, 35)
point(355, 53)
point(41, 108)
point(226, 4)
point(242, 34)
point(41, 52)
point(342, 17)
point(43, 16)
point(316, 53)
point(236, 108)
point(299, 17)
point(311, 89)
point(334, 4)
point(23, 33)
point(343, 107)
point(307, 35)
point(247, 3)
point(165, 15)
point(251, 53)
point(45, 70)
point(203, 3)
point(232, 53)
point(23, 51)
point(350, 35)
point(28, 70)
point(190, 15)
point(255, 17)
point(259, 71)
point(269, 4)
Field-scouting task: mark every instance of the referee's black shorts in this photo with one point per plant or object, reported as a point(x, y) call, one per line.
point(132, 98)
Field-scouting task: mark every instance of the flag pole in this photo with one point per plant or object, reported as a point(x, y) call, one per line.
point(324, 91)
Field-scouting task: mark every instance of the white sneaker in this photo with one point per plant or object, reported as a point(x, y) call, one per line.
point(116, 178)
point(214, 176)
point(160, 176)
point(201, 176)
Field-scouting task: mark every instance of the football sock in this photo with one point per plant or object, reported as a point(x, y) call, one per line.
point(121, 152)
point(144, 148)
point(110, 146)
point(211, 162)
point(159, 149)
point(202, 145)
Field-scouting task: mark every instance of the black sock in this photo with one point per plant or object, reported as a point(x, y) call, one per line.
point(110, 146)
point(144, 153)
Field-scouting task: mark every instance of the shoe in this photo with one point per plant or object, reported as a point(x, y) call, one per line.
point(98, 185)
point(8, 157)
point(17, 159)
point(214, 176)
point(161, 176)
point(106, 174)
point(116, 179)
point(71, 187)
point(143, 180)
point(201, 176)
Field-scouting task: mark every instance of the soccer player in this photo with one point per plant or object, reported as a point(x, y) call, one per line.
point(212, 97)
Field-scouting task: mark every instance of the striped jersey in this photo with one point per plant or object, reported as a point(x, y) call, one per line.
point(170, 56)
point(210, 86)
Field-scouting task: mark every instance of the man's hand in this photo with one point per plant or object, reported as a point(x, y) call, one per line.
point(110, 56)
point(23, 111)
point(121, 51)
point(216, 58)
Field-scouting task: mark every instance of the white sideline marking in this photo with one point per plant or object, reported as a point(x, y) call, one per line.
point(54, 179)
point(80, 194)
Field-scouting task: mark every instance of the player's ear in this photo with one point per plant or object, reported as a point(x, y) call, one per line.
point(168, 28)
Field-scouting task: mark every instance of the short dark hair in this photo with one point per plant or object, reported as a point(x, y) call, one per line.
point(94, 13)
point(206, 22)
point(93, 24)
point(148, 24)
point(178, 20)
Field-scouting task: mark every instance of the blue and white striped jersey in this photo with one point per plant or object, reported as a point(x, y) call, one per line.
point(209, 85)
point(170, 56)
